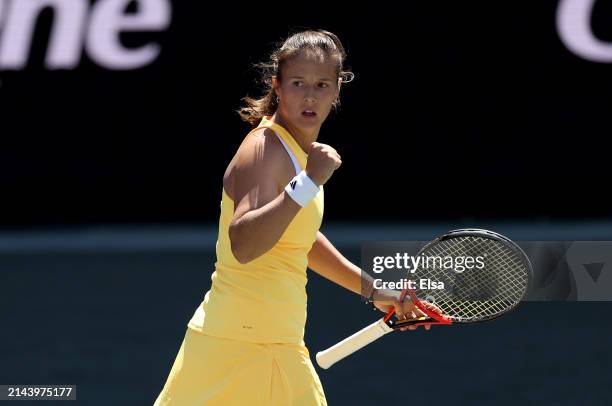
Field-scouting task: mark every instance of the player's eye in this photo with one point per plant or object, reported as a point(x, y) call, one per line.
point(323, 85)
point(298, 83)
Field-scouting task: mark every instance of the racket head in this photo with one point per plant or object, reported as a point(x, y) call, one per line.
point(472, 295)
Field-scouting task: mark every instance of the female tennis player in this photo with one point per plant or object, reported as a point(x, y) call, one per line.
point(244, 344)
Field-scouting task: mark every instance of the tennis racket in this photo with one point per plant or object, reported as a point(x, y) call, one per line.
point(470, 296)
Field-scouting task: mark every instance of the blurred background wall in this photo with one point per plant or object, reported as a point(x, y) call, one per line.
point(124, 111)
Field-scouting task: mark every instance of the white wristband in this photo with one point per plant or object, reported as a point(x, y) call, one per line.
point(302, 189)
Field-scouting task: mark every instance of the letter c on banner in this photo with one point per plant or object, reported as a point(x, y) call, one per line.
point(574, 29)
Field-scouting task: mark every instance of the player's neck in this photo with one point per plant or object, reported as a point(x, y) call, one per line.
point(304, 137)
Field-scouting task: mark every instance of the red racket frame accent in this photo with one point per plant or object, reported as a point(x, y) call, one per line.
point(439, 318)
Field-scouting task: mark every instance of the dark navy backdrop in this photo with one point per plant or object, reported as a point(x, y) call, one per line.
point(477, 104)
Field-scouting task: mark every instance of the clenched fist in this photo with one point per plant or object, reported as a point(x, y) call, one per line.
point(323, 160)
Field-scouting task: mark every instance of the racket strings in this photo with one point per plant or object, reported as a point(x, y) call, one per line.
point(496, 288)
point(474, 294)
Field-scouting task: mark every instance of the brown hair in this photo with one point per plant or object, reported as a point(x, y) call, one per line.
point(322, 44)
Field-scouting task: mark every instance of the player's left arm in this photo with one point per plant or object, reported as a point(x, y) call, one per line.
point(328, 262)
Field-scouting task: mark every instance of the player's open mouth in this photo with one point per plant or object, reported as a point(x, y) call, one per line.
point(309, 113)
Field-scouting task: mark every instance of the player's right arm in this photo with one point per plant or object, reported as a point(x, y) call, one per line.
point(262, 210)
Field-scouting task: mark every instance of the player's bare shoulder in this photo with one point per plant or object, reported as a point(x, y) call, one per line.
point(260, 155)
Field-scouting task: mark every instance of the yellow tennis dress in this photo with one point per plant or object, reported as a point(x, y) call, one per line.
point(244, 344)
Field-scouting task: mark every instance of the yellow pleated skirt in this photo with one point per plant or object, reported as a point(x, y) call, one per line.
point(217, 371)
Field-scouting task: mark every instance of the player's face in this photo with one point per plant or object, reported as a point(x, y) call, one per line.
point(306, 90)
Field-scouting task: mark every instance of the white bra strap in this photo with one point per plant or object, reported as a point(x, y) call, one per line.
point(293, 158)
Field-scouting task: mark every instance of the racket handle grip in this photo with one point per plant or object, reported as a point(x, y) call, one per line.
point(349, 345)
